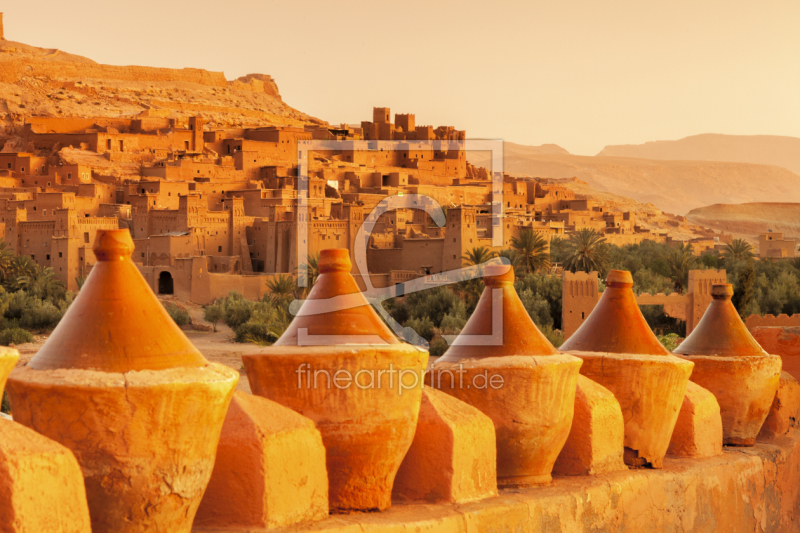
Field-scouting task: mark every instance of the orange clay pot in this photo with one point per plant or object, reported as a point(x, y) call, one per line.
point(521, 382)
point(120, 385)
point(341, 366)
point(732, 365)
point(621, 353)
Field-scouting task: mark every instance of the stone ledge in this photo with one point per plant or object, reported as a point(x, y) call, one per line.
point(743, 490)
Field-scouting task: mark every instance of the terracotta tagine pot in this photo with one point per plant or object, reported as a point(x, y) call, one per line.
point(341, 366)
point(120, 385)
point(732, 365)
point(503, 365)
point(620, 352)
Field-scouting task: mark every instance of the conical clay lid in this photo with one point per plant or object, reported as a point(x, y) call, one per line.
point(616, 324)
point(490, 334)
point(336, 312)
point(721, 330)
point(116, 323)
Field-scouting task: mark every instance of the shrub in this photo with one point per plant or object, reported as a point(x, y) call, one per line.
point(452, 325)
point(179, 314)
point(15, 336)
point(237, 311)
point(537, 307)
point(438, 347)
point(670, 341)
point(40, 316)
point(214, 313)
point(555, 336)
point(423, 326)
point(256, 333)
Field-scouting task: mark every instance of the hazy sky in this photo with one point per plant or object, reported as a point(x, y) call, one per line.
point(578, 74)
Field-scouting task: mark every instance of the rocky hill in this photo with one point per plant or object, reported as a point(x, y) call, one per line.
point(49, 82)
point(751, 219)
point(674, 186)
point(758, 149)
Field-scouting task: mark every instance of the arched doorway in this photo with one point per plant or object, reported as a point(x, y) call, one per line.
point(165, 283)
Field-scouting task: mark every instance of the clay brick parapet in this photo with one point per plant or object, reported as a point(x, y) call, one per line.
point(754, 321)
point(742, 490)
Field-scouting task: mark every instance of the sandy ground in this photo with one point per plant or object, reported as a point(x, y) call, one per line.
point(217, 347)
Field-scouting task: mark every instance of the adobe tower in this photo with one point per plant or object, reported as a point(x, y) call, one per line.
point(2, 37)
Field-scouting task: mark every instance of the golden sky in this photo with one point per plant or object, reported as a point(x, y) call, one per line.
point(579, 74)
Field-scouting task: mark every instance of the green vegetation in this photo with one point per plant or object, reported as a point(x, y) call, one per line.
point(179, 314)
point(737, 250)
point(32, 299)
point(15, 336)
point(214, 314)
point(532, 250)
point(669, 341)
point(760, 286)
point(477, 256)
point(586, 250)
point(260, 322)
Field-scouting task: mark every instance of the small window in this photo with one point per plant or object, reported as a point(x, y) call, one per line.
point(33, 257)
point(69, 175)
point(219, 248)
point(60, 254)
point(86, 237)
point(48, 257)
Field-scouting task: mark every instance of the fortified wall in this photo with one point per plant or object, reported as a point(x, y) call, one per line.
point(782, 320)
point(580, 295)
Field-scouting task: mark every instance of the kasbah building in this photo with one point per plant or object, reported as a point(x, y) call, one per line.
point(217, 210)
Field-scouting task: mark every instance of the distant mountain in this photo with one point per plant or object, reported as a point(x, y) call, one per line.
point(749, 220)
point(49, 82)
point(674, 186)
point(759, 149)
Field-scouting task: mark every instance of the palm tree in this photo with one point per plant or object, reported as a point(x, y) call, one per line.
point(478, 256)
point(21, 273)
point(586, 250)
point(557, 245)
point(680, 261)
point(534, 250)
point(6, 260)
point(512, 257)
point(45, 286)
point(281, 288)
point(737, 249)
point(311, 269)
